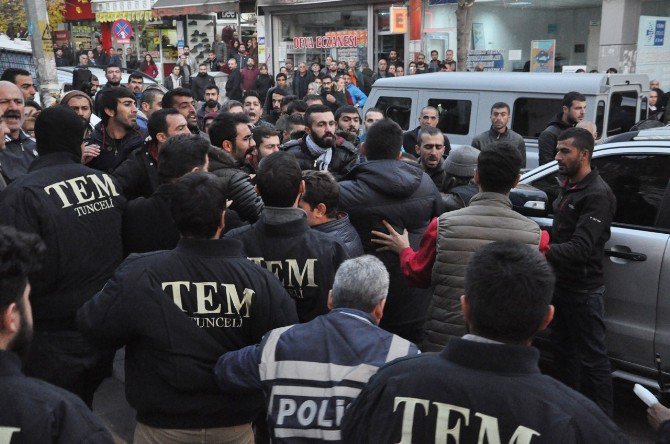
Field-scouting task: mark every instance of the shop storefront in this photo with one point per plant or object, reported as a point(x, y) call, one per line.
point(306, 30)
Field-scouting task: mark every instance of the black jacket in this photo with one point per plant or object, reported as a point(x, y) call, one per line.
point(80, 223)
point(234, 85)
point(148, 224)
point(403, 195)
point(263, 84)
point(138, 174)
point(17, 156)
point(342, 229)
point(493, 390)
point(304, 260)
point(300, 83)
point(113, 153)
point(41, 412)
point(546, 143)
point(344, 157)
point(410, 141)
point(340, 98)
point(177, 311)
point(583, 216)
point(199, 84)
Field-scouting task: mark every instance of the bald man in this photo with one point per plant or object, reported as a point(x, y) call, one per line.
point(20, 149)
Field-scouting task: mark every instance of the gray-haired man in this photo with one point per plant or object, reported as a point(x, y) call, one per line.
point(309, 383)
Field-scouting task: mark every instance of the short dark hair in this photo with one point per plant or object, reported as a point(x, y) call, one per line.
point(582, 139)
point(213, 87)
point(32, 104)
point(499, 105)
point(198, 201)
point(288, 99)
point(321, 187)
point(281, 91)
point(180, 154)
point(315, 109)
point(111, 65)
point(296, 105)
point(383, 140)
point(21, 255)
point(205, 64)
point(232, 104)
point(281, 74)
point(429, 131)
point(110, 99)
point(571, 97)
point(224, 127)
point(135, 75)
point(498, 167)
point(158, 121)
point(168, 98)
point(312, 97)
point(345, 109)
point(10, 74)
point(263, 132)
point(150, 95)
point(278, 179)
point(372, 110)
point(251, 93)
point(509, 287)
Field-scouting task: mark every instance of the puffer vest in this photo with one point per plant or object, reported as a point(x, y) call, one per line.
point(488, 218)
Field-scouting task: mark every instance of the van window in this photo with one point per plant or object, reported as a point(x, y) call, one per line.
point(454, 115)
point(397, 109)
point(600, 117)
point(622, 112)
point(531, 115)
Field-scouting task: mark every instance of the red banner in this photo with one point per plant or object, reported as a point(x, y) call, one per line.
point(61, 37)
point(78, 10)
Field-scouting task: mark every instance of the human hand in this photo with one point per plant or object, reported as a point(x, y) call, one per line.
point(393, 241)
point(657, 414)
point(89, 152)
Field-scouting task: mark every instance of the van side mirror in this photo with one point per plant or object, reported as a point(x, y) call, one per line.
point(529, 201)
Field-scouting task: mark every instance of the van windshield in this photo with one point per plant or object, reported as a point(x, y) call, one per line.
point(531, 115)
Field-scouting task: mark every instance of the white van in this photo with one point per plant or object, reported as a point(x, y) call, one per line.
point(464, 99)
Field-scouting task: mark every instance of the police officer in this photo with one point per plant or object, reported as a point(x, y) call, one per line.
point(177, 311)
point(78, 213)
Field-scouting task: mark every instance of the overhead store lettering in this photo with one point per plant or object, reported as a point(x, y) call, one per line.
point(326, 41)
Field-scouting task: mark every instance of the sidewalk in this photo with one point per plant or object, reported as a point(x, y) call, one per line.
point(111, 406)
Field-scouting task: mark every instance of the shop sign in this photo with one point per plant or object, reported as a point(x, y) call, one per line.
point(542, 54)
point(82, 31)
point(326, 41)
point(399, 20)
point(441, 2)
point(61, 37)
point(490, 59)
point(121, 6)
point(122, 31)
point(78, 10)
point(225, 15)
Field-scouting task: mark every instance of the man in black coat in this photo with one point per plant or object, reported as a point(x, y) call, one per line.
point(429, 116)
point(234, 82)
point(489, 379)
point(387, 188)
point(177, 311)
point(201, 82)
point(32, 411)
point(304, 260)
point(574, 110)
point(78, 213)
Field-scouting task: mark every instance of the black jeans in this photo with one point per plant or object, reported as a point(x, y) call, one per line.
point(578, 339)
point(66, 359)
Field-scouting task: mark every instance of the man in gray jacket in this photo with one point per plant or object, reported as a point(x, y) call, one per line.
point(500, 113)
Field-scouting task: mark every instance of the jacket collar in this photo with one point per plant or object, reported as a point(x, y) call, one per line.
point(495, 134)
point(224, 247)
point(488, 198)
point(494, 358)
point(586, 181)
point(284, 221)
point(58, 158)
point(354, 313)
point(10, 364)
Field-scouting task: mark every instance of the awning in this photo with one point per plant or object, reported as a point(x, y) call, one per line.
point(172, 8)
point(131, 16)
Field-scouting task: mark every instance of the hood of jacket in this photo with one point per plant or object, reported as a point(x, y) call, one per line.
point(219, 159)
point(558, 121)
point(389, 177)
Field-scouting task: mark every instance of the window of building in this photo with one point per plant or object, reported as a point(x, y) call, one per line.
point(454, 115)
point(397, 109)
point(623, 105)
point(531, 115)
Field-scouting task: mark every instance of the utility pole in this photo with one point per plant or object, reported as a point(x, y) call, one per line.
point(43, 54)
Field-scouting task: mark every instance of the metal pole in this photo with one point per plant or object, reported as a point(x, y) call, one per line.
point(160, 53)
point(43, 54)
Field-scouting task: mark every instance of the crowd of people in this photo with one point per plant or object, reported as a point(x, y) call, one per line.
point(273, 263)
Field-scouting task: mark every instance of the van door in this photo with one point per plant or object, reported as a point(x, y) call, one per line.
point(395, 104)
point(623, 109)
point(457, 112)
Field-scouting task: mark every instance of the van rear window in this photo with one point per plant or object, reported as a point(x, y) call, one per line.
point(623, 107)
point(454, 115)
point(397, 109)
point(531, 115)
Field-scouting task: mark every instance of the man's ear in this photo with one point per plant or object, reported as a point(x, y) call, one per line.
point(476, 176)
point(329, 303)
point(417, 149)
point(399, 156)
point(161, 137)
point(10, 319)
point(361, 149)
point(547, 318)
point(110, 112)
point(227, 146)
point(222, 222)
point(301, 190)
point(144, 106)
point(465, 307)
point(321, 209)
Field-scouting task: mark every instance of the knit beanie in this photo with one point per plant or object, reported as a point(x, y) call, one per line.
point(461, 161)
point(76, 93)
point(59, 129)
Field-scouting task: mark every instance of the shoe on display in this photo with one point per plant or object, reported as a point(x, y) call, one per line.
point(210, 23)
point(205, 40)
point(195, 33)
point(194, 40)
point(192, 23)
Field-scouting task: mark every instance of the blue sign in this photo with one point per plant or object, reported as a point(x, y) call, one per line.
point(122, 30)
point(659, 33)
point(441, 2)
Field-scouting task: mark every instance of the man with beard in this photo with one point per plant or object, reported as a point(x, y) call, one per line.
point(77, 212)
point(117, 135)
point(252, 108)
point(267, 142)
point(186, 70)
point(358, 97)
point(500, 133)
point(394, 59)
point(434, 64)
point(22, 79)
point(113, 76)
point(333, 98)
point(290, 73)
point(332, 70)
point(234, 82)
point(348, 123)
point(19, 151)
point(189, 59)
point(574, 109)
point(382, 70)
point(201, 82)
point(421, 65)
point(210, 105)
point(371, 116)
point(138, 174)
point(429, 116)
point(320, 149)
point(32, 410)
point(232, 133)
point(82, 104)
point(136, 85)
point(272, 105)
point(249, 74)
point(182, 100)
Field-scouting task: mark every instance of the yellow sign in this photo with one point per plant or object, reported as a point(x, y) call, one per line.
point(399, 20)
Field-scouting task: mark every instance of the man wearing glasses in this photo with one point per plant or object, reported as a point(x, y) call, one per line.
point(500, 133)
